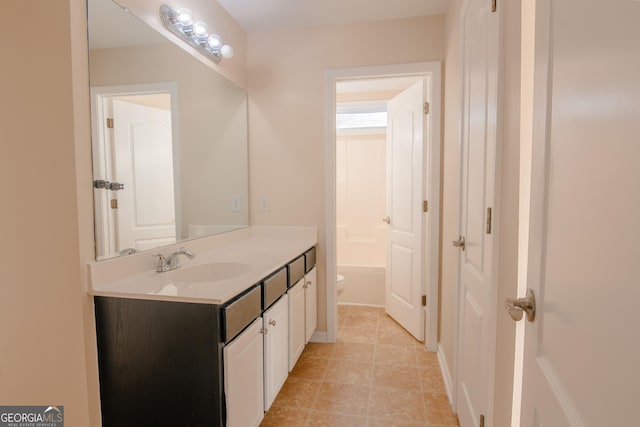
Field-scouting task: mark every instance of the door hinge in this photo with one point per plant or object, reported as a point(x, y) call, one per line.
point(424, 300)
point(425, 206)
point(114, 203)
point(426, 108)
point(494, 5)
point(109, 123)
point(489, 214)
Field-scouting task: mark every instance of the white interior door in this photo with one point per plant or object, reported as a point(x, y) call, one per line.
point(582, 350)
point(144, 164)
point(476, 304)
point(405, 194)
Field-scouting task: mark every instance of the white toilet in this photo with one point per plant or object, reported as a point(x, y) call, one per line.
point(341, 283)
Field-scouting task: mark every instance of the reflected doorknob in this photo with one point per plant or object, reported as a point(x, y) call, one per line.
point(460, 243)
point(518, 306)
point(387, 220)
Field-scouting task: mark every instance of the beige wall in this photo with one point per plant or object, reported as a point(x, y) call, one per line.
point(42, 299)
point(507, 219)
point(286, 110)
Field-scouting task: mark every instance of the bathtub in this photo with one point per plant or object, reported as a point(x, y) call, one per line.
point(364, 285)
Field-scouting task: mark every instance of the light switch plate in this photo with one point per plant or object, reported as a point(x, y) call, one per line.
point(264, 204)
point(235, 203)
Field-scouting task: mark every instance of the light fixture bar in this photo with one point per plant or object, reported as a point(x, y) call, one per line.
point(195, 33)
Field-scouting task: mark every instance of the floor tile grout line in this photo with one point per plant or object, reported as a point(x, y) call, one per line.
point(313, 404)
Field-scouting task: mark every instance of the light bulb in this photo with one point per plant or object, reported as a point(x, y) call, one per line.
point(200, 30)
point(226, 51)
point(214, 41)
point(184, 17)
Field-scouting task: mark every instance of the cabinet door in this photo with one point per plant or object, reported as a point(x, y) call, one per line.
point(276, 349)
point(243, 378)
point(311, 301)
point(296, 322)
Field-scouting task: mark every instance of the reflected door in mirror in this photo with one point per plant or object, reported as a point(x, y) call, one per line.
point(139, 155)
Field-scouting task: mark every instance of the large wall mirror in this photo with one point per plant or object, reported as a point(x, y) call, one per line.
point(169, 139)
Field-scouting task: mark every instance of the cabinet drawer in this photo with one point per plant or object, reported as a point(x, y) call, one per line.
point(273, 287)
point(240, 313)
point(296, 270)
point(309, 259)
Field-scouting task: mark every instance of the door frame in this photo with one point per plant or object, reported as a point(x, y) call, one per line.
point(431, 70)
point(496, 215)
point(101, 153)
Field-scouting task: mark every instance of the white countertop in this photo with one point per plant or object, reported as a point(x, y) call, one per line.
point(248, 256)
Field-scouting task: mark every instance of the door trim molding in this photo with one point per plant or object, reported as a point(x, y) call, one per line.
point(432, 194)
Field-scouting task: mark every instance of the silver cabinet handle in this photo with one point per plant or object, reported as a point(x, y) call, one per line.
point(387, 220)
point(460, 243)
point(272, 322)
point(518, 306)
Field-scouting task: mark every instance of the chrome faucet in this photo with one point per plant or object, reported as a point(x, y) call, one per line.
point(173, 262)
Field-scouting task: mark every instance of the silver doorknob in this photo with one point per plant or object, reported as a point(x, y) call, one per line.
point(460, 243)
point(387, 220)
point(116, 186)
point(518, 306)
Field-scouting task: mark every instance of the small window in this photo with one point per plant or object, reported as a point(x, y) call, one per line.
point(360, 117)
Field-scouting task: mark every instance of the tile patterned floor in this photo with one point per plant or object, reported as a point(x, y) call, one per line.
point(375, 375)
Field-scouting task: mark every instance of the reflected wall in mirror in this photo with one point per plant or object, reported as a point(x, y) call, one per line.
point(169, 139)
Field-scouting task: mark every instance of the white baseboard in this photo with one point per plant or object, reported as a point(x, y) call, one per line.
point(319, 336)
point(446, 375)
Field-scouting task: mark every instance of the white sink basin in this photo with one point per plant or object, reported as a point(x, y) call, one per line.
point(211, 272)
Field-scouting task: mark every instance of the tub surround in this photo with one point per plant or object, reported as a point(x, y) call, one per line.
point(248, 256)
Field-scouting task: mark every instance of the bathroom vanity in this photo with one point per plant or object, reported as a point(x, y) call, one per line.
point(208, 345)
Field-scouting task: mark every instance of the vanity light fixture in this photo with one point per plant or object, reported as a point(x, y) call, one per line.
point(182, 24)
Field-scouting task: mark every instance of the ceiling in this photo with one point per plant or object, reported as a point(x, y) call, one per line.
point(256, 15)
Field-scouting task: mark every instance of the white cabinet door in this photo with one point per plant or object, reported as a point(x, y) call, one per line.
point(296, 322)
point(276, 348)
point(311, 301)
point(243, 378)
